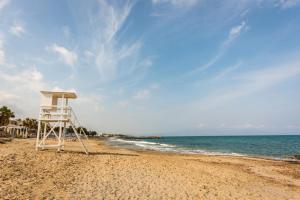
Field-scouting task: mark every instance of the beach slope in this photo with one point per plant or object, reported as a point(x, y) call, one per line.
point(114, 173)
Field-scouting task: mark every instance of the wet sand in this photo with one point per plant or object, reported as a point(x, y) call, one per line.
point(114, 173)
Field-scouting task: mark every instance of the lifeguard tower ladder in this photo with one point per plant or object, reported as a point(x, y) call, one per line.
point(54, 119)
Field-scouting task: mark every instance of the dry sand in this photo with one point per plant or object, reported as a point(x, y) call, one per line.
point(113, 173)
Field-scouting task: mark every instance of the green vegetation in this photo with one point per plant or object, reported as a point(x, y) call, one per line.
point(30, 123)
point(5, 115)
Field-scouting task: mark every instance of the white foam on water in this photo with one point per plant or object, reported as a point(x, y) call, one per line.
point(155, 146)
point(145, 144)
point(167, 147)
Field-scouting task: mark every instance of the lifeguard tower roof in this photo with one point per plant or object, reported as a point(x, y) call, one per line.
point(60, 94)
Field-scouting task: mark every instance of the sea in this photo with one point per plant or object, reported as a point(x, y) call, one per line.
point(271, 146)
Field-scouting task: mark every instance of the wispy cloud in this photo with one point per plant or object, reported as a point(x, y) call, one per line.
point(5, 96)
point(234, 33)
point(109, 59)
point(19, 85)
point(115, 59)
point(88, 54)
point(177, 3)
point(67, 55)
point(268, 77)
point(200, 126)
point(30, 79)
point(142, 94)
point(172, 9)
point(92, 101)
point(66, 31)
point(245, 126)
point(123, 103)
point(17, 30)
point(2, 52)
point(284, 4)
point(227, 70)
point(3, 3)
point(146, 93)
point(59, 89)
point(114, 18)
point(250, 82)
point(293, 126)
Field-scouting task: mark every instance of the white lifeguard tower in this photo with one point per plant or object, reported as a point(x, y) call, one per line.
point(54, 119)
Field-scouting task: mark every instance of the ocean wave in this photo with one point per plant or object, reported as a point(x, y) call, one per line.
point(156, 146)
point(165, 147)
point(144, 144)
point(132, 141)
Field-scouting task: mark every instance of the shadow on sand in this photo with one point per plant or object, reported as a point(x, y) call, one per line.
point(297, 162)
point(91, 153)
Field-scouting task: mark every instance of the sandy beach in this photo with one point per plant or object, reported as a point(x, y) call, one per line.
point(114, 173)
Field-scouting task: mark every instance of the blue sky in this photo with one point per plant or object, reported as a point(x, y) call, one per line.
point(168, 67)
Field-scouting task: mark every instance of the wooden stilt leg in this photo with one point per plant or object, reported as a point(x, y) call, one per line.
point(59, 136)
point(44, 135)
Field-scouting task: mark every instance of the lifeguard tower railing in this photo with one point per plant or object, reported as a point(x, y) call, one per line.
point(58, 117)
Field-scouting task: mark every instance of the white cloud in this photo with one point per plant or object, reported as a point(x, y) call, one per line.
point(31, 79)
point(90, 101)
point(123, 103)
point(145, 93)
point(147, 62)
point(247, 126)
point(108, 56)
point(177, 3)
point(293, 126)
point(210, 63)
point(2, 52)
point(66, 31)
point(3, 3)
point(271, 76)
point(154, 86)
point(114, 59)
point(142, 94)
point(200, 126)
point(109, 60)
point(23, 86)
point(17, 30)
point(236, 31)
point(168, 9)
point(284, 4)
point(113, 18)
point(4, 95)
point(233, 34)
point(67, 55)
point(250, 82)
point(227, 70)
point(58, 89)
point(88, 54)
point(2, 56)
point(245, 12)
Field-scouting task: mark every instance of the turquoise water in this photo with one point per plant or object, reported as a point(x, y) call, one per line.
point(266, 146)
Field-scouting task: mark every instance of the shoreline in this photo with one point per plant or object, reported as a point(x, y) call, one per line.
point(133, 147)
point(110, 172)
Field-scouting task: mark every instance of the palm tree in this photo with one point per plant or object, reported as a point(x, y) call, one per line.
point(30, 123)
point(83, 128)
point(5, 115)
